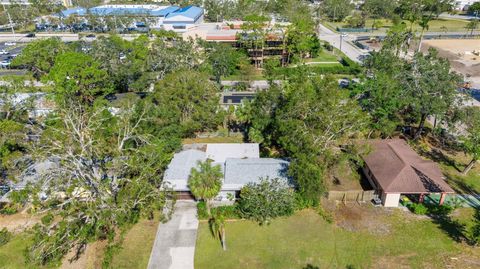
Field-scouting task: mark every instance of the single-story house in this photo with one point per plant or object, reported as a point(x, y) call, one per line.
point(394, 169)
point(240, 164)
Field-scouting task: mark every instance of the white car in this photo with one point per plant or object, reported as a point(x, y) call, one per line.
point(10, 43)
point(4, 52)
point(344, 35)
point(4, 64)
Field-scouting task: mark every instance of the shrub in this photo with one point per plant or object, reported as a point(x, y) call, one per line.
point(440, 210)
point(266, 200)
point(228, 211)
point(8, 210)
point(418, 209)
point(5, 236)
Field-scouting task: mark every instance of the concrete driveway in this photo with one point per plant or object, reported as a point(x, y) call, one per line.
point(174, 246)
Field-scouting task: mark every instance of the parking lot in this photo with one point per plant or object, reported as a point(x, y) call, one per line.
point(12, 50)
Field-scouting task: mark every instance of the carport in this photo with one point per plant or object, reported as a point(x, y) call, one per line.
point(394, 169)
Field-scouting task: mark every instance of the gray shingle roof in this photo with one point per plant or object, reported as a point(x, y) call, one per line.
point(239, 172)
point(182, 163)
point(219, 152)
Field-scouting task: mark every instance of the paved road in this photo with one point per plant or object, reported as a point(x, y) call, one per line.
point(174, 246)
point(348, 48)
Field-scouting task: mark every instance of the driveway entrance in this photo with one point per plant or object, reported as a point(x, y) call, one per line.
point(174, 246)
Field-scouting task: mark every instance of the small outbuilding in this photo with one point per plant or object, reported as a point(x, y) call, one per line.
point(394, 169)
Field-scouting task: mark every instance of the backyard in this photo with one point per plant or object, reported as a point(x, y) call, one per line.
point(361, 237)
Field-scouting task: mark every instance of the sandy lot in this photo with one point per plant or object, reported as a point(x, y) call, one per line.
point(462, 54)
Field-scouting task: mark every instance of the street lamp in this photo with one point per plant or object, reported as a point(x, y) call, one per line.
point(10, 21)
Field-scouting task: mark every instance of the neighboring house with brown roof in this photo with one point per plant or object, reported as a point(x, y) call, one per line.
point(393, 169)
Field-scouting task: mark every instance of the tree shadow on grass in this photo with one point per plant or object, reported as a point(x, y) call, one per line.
point(438, 157)
point(452, 228)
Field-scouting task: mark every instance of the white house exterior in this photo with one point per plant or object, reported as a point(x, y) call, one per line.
point(240, 164)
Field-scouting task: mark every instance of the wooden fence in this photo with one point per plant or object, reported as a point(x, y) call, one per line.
point(351, 196)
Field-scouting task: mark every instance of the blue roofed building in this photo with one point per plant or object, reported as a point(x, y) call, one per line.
point(183, 18)
point(77, 11)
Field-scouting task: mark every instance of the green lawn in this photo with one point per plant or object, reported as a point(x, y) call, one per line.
point(12, 253)
point(137, 246)
point(324, 56)
point(305, 239)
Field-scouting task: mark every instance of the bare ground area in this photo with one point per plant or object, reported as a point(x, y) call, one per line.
point(18, 222)
point(463, 55)
point(354, 217)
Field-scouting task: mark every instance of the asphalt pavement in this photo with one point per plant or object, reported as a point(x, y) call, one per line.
point(12, 50)
point(342, 43)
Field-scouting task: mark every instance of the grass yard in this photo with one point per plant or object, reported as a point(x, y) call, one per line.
point(137, 246)
point(394, 240)
point(11, 254)
point(324, 56)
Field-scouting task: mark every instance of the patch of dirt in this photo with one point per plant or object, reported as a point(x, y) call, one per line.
point(91, 257)
point(469, 258)
point(18, 222)
point(460, 53)
point(355, 217)
point(393, 262)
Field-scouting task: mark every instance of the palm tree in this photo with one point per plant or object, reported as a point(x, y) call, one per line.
point(205, 182)
point(217, 227)
point(472, 25)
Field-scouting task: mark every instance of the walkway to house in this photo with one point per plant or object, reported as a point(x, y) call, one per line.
point(174, 246)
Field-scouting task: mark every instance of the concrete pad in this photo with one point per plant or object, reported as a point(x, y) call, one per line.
point(174, 245)
point(182, 257)
point(189, 221)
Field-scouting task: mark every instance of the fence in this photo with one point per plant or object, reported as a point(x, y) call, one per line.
point(351, 196)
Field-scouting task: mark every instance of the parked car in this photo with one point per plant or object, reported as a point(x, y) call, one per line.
point(90, 36)
point(4, 64)
point(30, 35)
point(10, 43)
point(4, 52)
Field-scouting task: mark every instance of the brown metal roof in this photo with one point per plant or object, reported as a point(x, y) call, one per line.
point(399, 169)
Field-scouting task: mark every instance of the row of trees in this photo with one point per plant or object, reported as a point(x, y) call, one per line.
point(413, 11)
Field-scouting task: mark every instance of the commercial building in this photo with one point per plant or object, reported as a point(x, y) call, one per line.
point(153, 16)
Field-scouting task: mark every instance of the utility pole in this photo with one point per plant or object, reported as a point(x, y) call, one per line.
point(10, 21)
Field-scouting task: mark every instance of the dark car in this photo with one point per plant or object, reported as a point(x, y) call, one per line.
point(30, 35)
point(90, 35)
